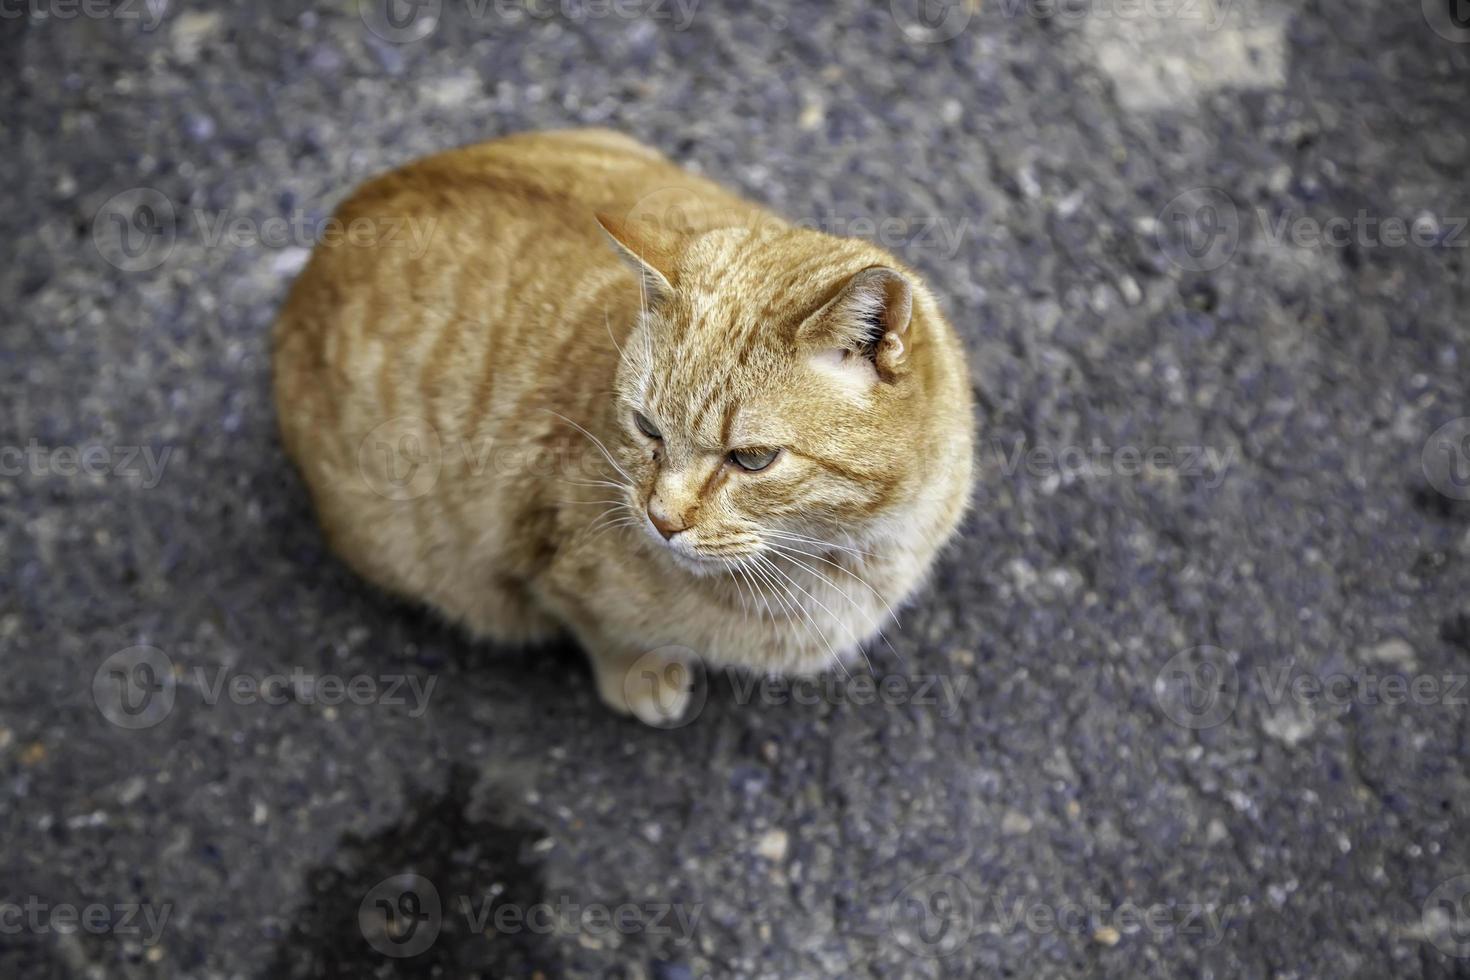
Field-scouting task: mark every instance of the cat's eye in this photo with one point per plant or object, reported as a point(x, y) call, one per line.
point(646, 427)
point(754, 459)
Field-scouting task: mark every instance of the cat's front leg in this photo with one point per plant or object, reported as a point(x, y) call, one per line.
point(654, 687)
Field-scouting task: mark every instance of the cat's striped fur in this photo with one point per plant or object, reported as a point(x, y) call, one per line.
point(465, 416)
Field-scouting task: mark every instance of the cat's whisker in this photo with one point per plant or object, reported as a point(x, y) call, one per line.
point(598, 483)
point(619, 507)
point(788, 549)
point(741, 595)
point(625, 522)
point(642, 296)
point(787, 554)
point(611, 477)
point(642, 322)
point(743, 568)
point(755, 596)
point(596, 442)
point(613, 513)
point(607, 322)
point(820, 542)
point(783, 596)
point(617, 513)
point(597, 523)
point(618, 471)
point(811, 620)
point(767, 592)
point(854, 637)
point(761, 594)
point(743, 607)
point(817, 542)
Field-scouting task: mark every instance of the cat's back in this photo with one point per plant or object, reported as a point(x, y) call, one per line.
point(457, 307)
point(468, 280)
point(557, 179)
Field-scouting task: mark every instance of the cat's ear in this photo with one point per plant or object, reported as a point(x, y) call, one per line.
point(869, 317)
point(647, 248)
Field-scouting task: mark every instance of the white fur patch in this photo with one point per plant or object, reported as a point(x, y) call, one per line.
point(854, 375)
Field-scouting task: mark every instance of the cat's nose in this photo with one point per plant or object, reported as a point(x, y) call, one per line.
point(665, 527)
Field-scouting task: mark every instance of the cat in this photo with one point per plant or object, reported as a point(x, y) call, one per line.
point(609, 398)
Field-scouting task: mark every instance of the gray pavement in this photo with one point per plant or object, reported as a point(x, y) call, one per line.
point(1187, 699)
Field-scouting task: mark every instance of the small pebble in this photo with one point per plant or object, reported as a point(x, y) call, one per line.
point(190, 32)
point(773, 845)
point(1014, 823)
point(131, 791)
point(1395, 651)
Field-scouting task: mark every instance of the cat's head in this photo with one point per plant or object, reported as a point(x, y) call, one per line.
point(785, 390)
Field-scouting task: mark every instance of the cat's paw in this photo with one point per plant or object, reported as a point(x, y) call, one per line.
point(657, 688)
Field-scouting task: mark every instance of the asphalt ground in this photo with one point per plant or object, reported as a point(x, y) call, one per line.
point(1186, 699)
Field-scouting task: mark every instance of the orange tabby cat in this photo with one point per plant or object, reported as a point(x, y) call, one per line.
point(737, 438)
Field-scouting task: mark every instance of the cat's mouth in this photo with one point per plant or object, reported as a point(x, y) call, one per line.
point(688, 554)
